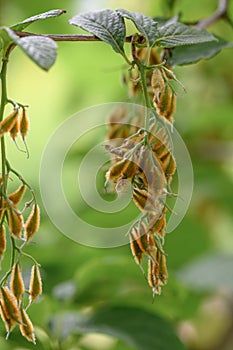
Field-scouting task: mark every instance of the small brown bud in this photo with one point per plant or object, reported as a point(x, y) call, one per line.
point(16, 283)
point(33, 222)
point(35, 288)
point(26, 327)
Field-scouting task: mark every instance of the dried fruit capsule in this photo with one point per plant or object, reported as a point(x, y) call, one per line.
point(26, 327)
point(14, 130)
point(33, 222)
point(136, 252)
point(9, 304)
point(8, 123)
point(16, 283)
point(157, 82)
point(8, 321)
point(163, 270)
point(24, 124)
point(16, 196)
point(143, 200)
point(35, 288)
point(15, 221)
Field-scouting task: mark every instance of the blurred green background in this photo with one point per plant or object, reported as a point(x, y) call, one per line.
point(198, 300)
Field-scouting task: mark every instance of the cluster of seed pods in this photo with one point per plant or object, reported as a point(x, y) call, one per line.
point(145, 158)
point(13, 295)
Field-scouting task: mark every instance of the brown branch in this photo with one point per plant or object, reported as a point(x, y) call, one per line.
point(67, 37)
point(220, 13)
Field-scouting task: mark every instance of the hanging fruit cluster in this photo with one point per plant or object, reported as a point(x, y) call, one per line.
point(14, 297)
point(145, 159)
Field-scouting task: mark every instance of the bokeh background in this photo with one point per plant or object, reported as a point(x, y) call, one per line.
point(198, 300)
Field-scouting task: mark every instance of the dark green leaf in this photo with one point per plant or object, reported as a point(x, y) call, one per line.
point(178, 34)
point(136, 327)
point(146, 25)
point(106, 24)
point(209, 273)
point(41, 50)
point(24, 24)
point(189, 54)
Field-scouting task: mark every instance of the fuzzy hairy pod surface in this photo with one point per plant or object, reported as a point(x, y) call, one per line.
point(24, 124)
point(16, 196)
point(26, 327)
point(15, 221)
point(8, 321)
point(35, 287)
point(8, 123)
point(9, 305)
point(16, 283)
point(33, 222)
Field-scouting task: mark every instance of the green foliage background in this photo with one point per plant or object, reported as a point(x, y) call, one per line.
point(198, 299)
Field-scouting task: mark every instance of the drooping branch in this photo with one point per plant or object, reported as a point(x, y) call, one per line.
point(220, 13)
point(67, 37)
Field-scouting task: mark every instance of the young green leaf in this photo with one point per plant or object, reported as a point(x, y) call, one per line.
point(146, 25)
point(189, 54)
point(24, 24)
point(41, 50)
point(106, 24)
point(178, 34)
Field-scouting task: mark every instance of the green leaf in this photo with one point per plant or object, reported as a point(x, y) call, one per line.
point(136, 327)
point(106, 24)
point(24, 24)
point(193, 53)
point(41, 50)
point(178, 34)
point(211, 272)
point(146, 25)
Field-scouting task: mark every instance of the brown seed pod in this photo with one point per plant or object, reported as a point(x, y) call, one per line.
point(171, 168)
point(8, 123)
point(24, 124)
point(136, 252)
point(144, 200)
point(15, 128)
point(9, 304)
point(15, 221)
point(16, 196)
point(16, 283)
point(141, 240)
point(157, 82)
point(26, 327)
point(2, 241)
point(8, 321)
point(33, 222)
point(35, 287)
point(163, 270)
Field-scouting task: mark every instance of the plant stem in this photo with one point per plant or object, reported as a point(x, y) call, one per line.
point(2, 108)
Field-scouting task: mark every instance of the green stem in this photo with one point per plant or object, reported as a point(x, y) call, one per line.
point(2, 108)
point(142, 75)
